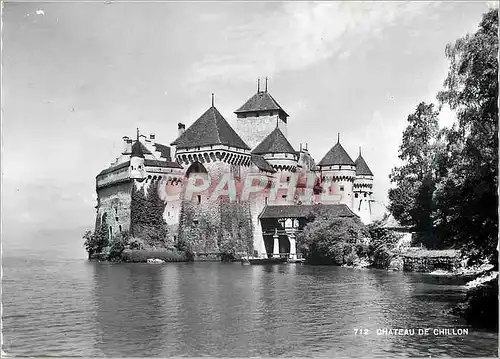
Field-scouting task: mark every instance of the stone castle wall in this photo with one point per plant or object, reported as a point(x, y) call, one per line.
point(115, 202)
point(253, 130)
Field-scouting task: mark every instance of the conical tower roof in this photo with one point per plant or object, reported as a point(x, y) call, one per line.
point(336, 156)
point(261, 101)
point(210, 129)
point(137, 149)
point(362, 168)
point(275, 142)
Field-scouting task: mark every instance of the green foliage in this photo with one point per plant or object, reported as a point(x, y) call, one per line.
point(382, 247)
point(447, 185)
point(466, 197)
point(119, 243)
point(97, 241)
point(146, 216)
point(411, 200)
point(328, 240)
point(141, 256)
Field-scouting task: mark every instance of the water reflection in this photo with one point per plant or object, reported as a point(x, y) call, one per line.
point(226, 310)
point(129, 309)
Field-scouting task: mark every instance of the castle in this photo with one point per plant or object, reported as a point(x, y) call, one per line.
point(210, 150)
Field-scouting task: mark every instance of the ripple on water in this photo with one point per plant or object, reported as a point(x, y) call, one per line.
point(66, 308)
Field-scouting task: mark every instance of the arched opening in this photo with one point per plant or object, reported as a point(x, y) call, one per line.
point(196, 167)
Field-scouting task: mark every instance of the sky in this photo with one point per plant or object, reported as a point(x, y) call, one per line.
point(79, 76)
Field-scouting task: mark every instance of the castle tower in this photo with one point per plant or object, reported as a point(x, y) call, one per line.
point(363, 190)
point(211, 145)
point(338, 172)
point(258, 117)
point(282, 157)
point(137, 170)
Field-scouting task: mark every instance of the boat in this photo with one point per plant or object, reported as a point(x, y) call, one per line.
point(296, 260)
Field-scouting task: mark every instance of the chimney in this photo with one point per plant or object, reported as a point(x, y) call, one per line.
point(152, 138)
point(181, 128)
point(125, 145)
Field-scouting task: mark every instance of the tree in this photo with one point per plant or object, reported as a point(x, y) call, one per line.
point(331, 240)
point(466, 197)
point(411, 200)
point(97, 241)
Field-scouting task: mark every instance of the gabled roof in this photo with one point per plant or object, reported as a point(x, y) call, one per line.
point(303, 211)
point(275, 142)
point(362, 168)
point(336, 156)
point(262, 164)
point(114, 168)
point(210, 129)
point(164, 150)
point(261, 101)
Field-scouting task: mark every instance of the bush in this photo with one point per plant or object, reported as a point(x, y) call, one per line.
point(136, 244)
point(328, 240)
point(141, 256)
point(382, 247)
point(118, 245)
point(97, 241)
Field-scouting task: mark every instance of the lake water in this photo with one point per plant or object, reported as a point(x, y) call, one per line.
point(70, 307)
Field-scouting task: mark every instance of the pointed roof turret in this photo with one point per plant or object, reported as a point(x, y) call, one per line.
point(137, 150)
point(210, 129)
point(362, 168)
point(336, 156)
point(261, 101)
point(275, 142)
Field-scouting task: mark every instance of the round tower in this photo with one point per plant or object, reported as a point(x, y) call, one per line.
point(337, 175)
point(363, 190)
point(279, 153)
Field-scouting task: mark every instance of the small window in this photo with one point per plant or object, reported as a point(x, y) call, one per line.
point(120, 226)
point(283, 196)
point(168, 214)
point(266, 200)
point(116, 219)
point(342, 188)
point(199, 199)
point(356, 195)
point(288, 179)
point(365, 194)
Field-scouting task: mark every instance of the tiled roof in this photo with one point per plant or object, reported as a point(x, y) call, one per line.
point(157, 163)
point(336, 156)
point(114, 168)
point(262, 164)
point(275, 142)
point(210, 129)
point(261, 101)
point(362, 168)
point(297, 211)
point(165, 150)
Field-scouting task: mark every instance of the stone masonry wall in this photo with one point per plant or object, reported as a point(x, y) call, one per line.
point(253, 130)
point(115, 201)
